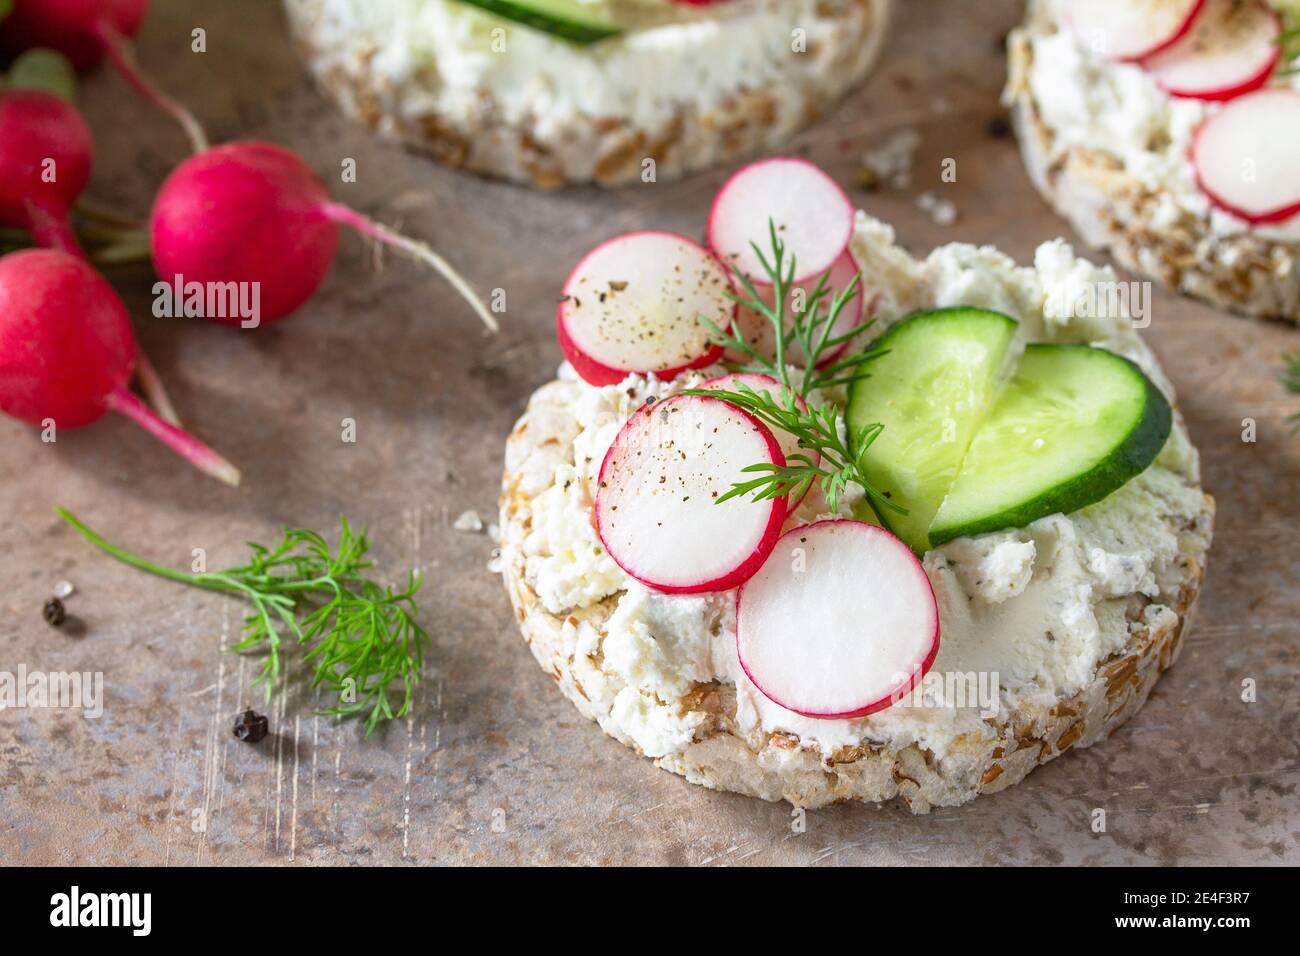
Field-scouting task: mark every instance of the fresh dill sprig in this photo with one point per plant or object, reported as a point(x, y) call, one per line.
point(1290, 378)
point(360, 637)
point(1287, 41)
point(817, 425)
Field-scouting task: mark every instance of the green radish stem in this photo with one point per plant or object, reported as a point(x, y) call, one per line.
point(118, 49)
point(184, 444)
point(345, 216)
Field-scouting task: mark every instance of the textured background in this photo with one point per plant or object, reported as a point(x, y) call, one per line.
point(493, 765)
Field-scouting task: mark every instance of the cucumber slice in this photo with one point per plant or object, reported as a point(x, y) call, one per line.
point(931, 391)
point(1073, 425)
point(566, 19)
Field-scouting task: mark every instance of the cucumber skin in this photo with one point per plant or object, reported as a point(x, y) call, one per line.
point(516, 11)
point(883, 514)
point(1134, 455)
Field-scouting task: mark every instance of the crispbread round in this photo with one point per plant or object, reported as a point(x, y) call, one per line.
point(1114, 210)
point(724, 755)
point(722, 125)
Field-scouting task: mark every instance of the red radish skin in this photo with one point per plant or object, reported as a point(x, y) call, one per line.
point(657, 456)
point(813, 216)
point(1243, 132)
point(254, 212)
point(73, 27)
point(1131, 30)
point(87, 31)
point(757, 382)
point(911, 590)
point(46, 153)
point(1232, 49)
point(648, 325)
point(67, 352)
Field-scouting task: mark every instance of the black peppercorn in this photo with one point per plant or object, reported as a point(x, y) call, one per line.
point(54, 612)
point(251, 726)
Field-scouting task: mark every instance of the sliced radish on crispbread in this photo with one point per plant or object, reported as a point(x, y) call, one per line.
point(633, 306)
point(813, 217)
point(1130, 29)
point(1247, 156)
point(1232, 49)
point(657, 508)
point(840, 621)
point(757, 382)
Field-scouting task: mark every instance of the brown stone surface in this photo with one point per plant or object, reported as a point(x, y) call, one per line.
point(494, 766)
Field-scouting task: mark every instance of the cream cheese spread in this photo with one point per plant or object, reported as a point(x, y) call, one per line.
point(670, 54)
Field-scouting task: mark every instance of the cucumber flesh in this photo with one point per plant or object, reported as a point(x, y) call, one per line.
point(930, 391)
point(566, 19)
point(1072, 425)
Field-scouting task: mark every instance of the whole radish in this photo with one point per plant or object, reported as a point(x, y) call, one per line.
point(46, 153)
point(67, 352)
point(45, 157)
point(253, 212)
point(87, 31)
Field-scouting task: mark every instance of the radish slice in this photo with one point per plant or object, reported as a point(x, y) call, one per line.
point(767, 384)
point(1232, 49)
point(813, 217)
point(1130, 29)
point(633, 306)
point(839, 622)
point(757, 330)
point(1247, 156)
point(656, 512)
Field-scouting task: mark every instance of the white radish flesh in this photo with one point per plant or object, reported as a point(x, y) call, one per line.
point(766, 384)
point(813, 217)
point(1232, 49)
point(839, 622)
point(757, 330)
point(1130, 29)
point(633, 306)
point(1247, 156)
point(656, 502)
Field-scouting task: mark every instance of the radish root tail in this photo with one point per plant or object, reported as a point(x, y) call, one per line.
point(154, 389)
point(118, 49)
point(419, 250)
point(184, 444)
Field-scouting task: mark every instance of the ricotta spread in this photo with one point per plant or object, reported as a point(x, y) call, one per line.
point(1089, 102)
point(1039, 607)
point(670, 54)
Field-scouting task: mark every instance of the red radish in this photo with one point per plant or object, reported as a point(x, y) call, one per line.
point(757, 330)
point(813, 216)
point(45, 157)
point(766, 384)
point(1130, 29)
point(656, 507)
point(1233, 49)
point(1247, 156)
point(633, 306)
point(255, 213)
point(67, 352)
point(86, 31)
point(840, 621)
point(46, 153)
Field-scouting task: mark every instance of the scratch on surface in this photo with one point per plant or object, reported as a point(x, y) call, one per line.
point(293, 818)
point(215, 750)
point(171, 798)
